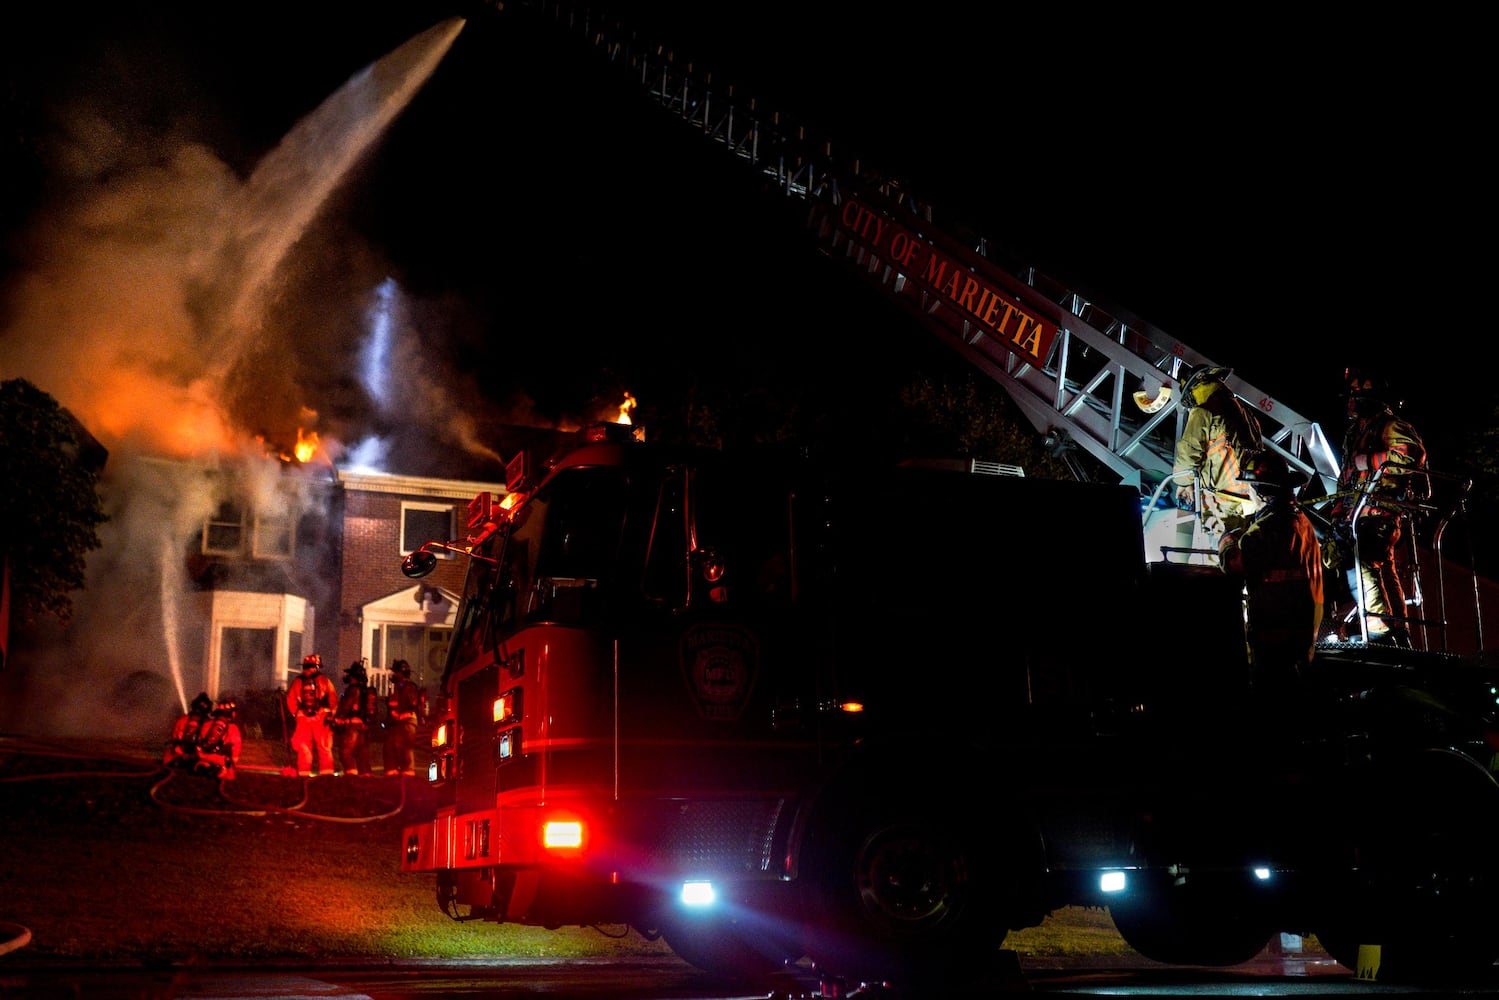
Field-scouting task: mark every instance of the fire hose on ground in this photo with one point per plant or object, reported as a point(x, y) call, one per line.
point(249, 808)
point(15, 936)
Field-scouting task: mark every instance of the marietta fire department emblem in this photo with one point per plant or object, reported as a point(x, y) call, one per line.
point(719, 663)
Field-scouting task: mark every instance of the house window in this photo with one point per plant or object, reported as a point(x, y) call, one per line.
point(224, 531)
point(274, 535)
point(426, 522)
point(269, 536)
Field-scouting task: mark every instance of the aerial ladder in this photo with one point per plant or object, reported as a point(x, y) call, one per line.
point(1087, 374)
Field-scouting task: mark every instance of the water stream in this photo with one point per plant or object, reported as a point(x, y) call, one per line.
point(288, 187)
point(282, 197)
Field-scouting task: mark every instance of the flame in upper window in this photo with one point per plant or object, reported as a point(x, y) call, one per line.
point(307, 445)
point(624, 409)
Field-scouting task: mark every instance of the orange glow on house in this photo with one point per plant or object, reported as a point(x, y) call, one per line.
point(180, 422)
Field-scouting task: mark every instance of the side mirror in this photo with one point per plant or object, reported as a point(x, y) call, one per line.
point(418, 564)
point(421, 562)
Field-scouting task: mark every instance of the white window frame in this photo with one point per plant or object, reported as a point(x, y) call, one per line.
point(408, 545)
point(265, 527)
point(212, 521)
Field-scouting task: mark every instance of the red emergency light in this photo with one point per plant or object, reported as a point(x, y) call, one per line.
point(480, 509)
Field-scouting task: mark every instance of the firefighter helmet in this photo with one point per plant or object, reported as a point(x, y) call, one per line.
point(1368, 391)
point(201, 705)
point(1270, 473)
point(401, 667)
point(311, 662)
point(1201, 381)
point(356, 672)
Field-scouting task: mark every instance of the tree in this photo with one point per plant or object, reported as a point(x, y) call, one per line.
point(960, 414)
point(50, 509)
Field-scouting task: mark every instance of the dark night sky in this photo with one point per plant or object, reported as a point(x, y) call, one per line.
point(1278, 193)
point(1288, 198)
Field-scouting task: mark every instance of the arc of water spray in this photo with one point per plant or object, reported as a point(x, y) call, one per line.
point(279, 202)
point(169, 620)
point(290, 186)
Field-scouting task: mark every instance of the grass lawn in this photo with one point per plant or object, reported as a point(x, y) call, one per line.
point(111, 859)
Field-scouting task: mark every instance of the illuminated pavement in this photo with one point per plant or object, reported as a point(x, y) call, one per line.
point(668, 979)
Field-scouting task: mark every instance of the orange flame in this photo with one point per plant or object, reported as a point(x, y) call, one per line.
point(624, 409)
point(307, 445)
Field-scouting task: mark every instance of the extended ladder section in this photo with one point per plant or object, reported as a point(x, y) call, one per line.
point(1088, 375)
point(1074, 365)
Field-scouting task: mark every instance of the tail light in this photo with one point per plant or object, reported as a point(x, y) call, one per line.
point(563, 834)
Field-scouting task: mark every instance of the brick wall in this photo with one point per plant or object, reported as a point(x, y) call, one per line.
point(372, 560)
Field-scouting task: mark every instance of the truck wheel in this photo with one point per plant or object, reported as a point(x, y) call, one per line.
point(1212, 919)
point(906, 893)
point(1425, 881)
point(730, 948)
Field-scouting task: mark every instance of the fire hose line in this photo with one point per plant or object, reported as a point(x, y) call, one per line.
point(43, 748)
point(15, 936)
point(262, 809)
point(192, 810)
point(224, 791)
point(257, 809)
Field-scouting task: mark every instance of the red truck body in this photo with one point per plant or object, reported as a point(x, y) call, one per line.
point(880, 714)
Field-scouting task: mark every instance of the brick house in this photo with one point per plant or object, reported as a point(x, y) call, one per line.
point(312, 564)
point(320, 572)
point(384, 616)
point(381, 615)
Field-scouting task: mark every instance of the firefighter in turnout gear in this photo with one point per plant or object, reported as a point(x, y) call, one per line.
point(220, 742)
point(1219, 431)
point(403, 712)
point(1280, 558)
point(310, 699)
point(182, 744)
point(1382, 457)
point(357, 713)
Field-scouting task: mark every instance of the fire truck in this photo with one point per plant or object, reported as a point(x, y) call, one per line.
point(877, 711)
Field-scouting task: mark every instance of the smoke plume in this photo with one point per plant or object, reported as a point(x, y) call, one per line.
point(194, 320)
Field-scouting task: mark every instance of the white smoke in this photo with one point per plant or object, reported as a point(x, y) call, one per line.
point(163, 301)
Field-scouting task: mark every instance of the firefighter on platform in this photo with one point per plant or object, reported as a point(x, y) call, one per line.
point(403, 712)
point(310, 699)
point(182, 744)
point(1382, 456)
point(1219, 431)
point(220, 742)
point(357, 713)
point(1279, 557)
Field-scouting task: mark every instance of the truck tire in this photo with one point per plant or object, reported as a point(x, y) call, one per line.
point(1424, 878)
point(906, 892)
point(1216, 919)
